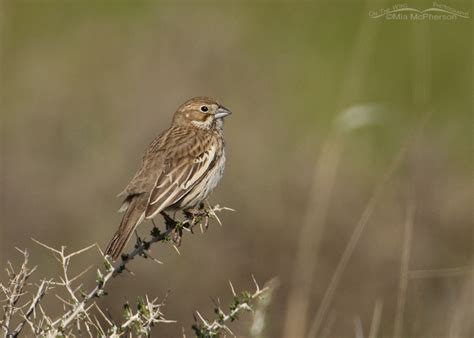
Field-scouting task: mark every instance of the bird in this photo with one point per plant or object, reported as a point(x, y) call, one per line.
point(180, 168)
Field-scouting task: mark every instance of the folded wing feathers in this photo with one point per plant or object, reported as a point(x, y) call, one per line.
point(167, 185)
point(172, 186)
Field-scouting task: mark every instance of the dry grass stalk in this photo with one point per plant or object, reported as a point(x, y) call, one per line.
point(404, 271)
point(376, 318)
point(322, 185)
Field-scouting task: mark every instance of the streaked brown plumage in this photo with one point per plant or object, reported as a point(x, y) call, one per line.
point(179, 170)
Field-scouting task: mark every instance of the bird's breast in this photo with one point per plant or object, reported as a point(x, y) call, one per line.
point(207, 184)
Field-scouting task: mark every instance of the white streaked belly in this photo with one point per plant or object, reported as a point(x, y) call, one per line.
point(202, 190)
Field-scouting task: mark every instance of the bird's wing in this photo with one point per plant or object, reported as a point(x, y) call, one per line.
point(186, 163)
point(145, 177)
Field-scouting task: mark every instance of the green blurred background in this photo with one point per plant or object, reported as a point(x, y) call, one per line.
point(321, 94)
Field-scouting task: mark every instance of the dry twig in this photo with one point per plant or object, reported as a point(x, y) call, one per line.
point(81, 312)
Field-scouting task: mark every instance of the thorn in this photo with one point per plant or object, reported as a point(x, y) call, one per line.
point(45, 246)
point(232, 288)
point(202, 318)
point(79, 251)
point(177, 250)
point(255, 282)
point(156, 260)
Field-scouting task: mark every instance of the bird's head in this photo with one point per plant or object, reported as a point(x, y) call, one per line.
point(201, 112)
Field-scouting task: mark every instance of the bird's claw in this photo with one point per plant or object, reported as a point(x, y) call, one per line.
point(198, 216)
point(176, 236)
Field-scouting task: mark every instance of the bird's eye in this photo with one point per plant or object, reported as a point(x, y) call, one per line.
point(204, 109)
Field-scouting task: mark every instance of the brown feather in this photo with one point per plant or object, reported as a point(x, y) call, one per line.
point(179, 169)
point(130, 221)
point(184, 168)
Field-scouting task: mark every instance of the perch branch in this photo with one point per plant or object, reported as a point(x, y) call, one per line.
point(141, 249)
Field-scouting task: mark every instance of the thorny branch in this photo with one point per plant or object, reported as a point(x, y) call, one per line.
point(33, 305)
point(241, 302)
point(81, 312)
point(141, 249)
point(13, 290)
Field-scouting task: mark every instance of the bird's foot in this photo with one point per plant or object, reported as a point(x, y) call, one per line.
point(175, 226)
point(177, 235)
point(198, 216)
point(169, 221)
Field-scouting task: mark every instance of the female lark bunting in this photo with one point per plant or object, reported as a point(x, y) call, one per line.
point(179, 170)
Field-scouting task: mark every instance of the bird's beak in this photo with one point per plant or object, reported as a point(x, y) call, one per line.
point(222, 112)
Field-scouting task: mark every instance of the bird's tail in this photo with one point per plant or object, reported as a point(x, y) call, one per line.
point(132, 217)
